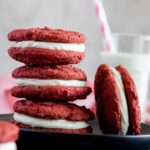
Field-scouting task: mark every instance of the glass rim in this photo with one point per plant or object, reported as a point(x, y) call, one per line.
point(131, 35)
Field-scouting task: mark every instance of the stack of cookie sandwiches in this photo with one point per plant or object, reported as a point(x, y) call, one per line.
point(48, 83)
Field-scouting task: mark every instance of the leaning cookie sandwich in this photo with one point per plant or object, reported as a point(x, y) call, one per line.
point(117, 102)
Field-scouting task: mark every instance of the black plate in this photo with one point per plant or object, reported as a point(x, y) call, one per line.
point(33, 139)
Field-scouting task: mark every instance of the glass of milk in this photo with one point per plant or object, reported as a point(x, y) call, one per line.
point(133, 52)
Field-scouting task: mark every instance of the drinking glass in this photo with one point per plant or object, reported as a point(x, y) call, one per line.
point(133, 52)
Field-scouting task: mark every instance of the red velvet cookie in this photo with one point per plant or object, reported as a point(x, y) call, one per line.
point(44, 56)
point(108, 100)
point(53, 111)
point(51, 93)
point(67, 49)
point(81, 131)
point(66, 83)
point(132, 100)
point(50, 72)
point(8, 132)
point(47, 35)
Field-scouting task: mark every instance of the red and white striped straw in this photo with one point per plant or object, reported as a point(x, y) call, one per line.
point(104, 26)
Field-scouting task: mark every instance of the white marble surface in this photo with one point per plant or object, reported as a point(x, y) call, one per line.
point(124, 16)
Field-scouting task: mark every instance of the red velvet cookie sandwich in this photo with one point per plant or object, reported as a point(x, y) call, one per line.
point(59, 83)
point(117, 102)
point(45, 46)
point(8, 135)
point(52, 116)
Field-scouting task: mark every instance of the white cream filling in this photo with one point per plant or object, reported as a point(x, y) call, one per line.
point(51, 45)
point(47, 123)
point(50, 82)
point(123, 102)
point(8, 146)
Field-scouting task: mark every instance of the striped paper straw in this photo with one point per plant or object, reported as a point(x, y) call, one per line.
point(104, 26)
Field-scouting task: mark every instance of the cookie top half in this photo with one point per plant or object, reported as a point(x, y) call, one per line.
point(65, 72)
point(46, 35)
point(53, 110)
